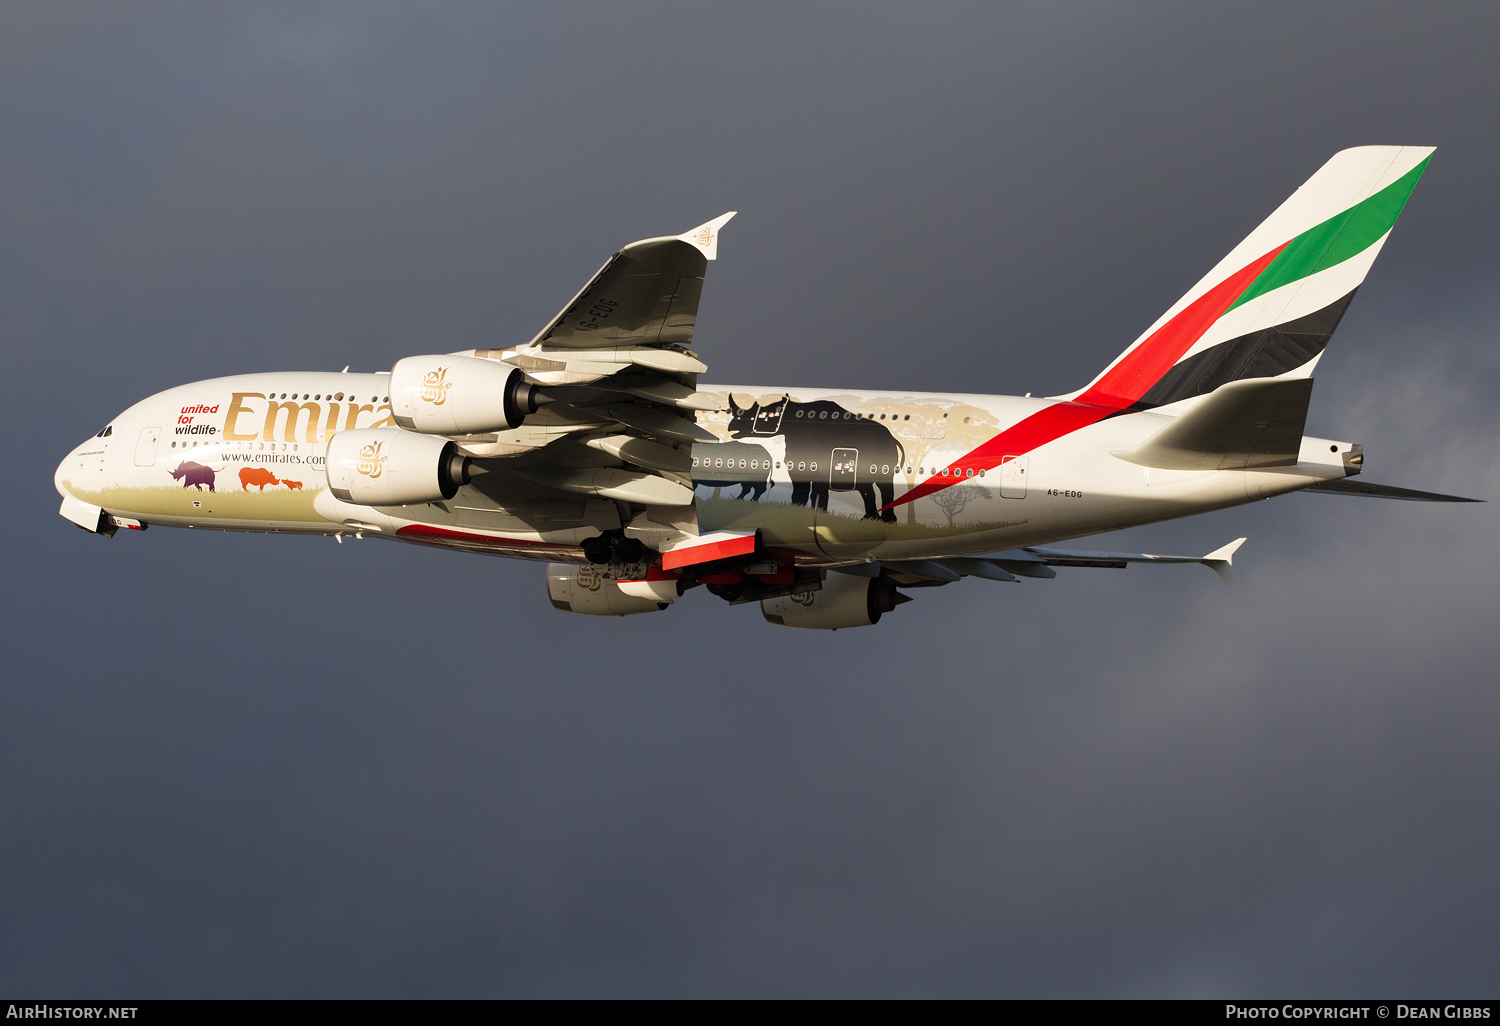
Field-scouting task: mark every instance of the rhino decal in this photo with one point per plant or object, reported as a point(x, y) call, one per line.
point(828, 449)
point(194, 475)
point(250, 476)
point(726, 464)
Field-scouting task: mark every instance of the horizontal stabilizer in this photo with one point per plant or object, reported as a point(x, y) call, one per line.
point(1369, 489)
point(1244, 425)
point(1219, 561)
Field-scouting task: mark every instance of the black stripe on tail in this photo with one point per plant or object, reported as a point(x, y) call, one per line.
point(1260, 354)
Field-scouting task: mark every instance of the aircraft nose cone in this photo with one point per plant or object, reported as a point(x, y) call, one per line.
point(70, 470)
point(60, 476)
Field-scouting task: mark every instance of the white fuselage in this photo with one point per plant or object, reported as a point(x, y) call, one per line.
point(820, 472)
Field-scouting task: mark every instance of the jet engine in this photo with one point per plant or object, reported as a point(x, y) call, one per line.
point(845, 601)
point(459, 395)
point(581, 589)
point(392, 467)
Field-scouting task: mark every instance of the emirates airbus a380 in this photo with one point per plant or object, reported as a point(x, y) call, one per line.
point(595, 449)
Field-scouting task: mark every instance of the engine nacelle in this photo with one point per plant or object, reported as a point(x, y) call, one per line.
point(581, 589)
point(845, 601)
point(392, 467)
point(459, 395)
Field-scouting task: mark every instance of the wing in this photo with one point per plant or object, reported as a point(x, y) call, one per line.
point(615, 419)
point(646, 294)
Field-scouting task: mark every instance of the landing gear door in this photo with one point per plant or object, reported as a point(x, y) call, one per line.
point(145, 446)
point(1013, 477)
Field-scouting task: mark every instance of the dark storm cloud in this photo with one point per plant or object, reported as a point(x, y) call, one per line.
point(278, 766)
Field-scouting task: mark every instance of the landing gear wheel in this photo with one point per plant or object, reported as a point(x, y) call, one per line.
point(629, 550)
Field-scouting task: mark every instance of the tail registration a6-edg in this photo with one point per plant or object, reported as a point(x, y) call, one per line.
point(595, 448)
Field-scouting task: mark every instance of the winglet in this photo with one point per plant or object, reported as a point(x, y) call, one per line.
point(1221, 561)
point(706, 236)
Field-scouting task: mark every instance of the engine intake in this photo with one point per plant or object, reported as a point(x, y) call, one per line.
point(845, 601)
point(392, 467)
point(459, 395)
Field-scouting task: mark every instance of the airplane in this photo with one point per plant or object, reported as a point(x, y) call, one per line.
point(594, 448)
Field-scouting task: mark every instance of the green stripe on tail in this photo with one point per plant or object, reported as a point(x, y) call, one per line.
point(1336, 239)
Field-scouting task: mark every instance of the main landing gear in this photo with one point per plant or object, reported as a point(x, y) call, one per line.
point(613, 547)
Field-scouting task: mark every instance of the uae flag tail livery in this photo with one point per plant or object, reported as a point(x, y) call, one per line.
point(1267, 310)
point(1270, 306)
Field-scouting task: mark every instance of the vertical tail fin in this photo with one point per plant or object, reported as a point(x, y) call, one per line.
point(1270, 306)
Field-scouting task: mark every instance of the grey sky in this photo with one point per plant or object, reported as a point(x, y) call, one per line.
point(245, 765)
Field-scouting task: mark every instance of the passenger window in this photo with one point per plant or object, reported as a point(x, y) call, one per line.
point(802, 466)
point(742, 464)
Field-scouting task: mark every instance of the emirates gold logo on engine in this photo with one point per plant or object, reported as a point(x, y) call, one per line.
point(371, 462)
point(435, 386)
point(589, 579)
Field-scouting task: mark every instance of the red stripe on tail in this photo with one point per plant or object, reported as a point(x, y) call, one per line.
point(1121, 385)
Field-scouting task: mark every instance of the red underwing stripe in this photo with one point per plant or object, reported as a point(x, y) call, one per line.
point(426, 534)
point(1121, 385)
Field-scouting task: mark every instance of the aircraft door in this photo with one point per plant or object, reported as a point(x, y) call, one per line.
point(1013, 478)
point(843, 473)
point(768, 420)
point(145, 446)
